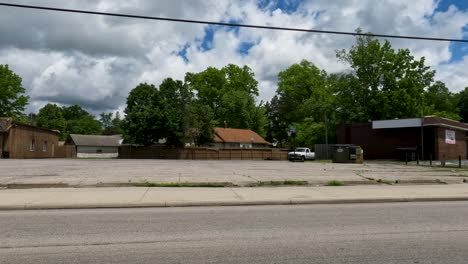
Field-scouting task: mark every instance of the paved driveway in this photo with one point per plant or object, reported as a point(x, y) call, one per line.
point(91, 172)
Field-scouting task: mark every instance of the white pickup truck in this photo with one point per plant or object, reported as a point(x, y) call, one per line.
point(301, 154)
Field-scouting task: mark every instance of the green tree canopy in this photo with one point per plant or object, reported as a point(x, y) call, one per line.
point(13, 100)
point(68, 120)
point(384, 84)
point(461, 102)
point(111, 123)
point(305, 99)
point(51, 117)
point(230, 94)
point(144, 121)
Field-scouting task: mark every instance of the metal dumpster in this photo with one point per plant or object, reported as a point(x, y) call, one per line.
point(348, 154)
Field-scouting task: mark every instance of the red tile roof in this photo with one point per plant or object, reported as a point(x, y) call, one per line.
point(233, 135)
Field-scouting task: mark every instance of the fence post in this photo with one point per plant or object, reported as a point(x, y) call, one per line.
point(459, 162)
point(406, 158)
point(430, 160)
point(417, 159)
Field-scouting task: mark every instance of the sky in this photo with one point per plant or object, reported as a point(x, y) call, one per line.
point(96, 61)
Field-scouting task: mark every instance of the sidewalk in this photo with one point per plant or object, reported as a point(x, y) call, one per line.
point(172, 197)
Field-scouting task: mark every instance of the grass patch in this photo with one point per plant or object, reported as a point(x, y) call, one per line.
point(188, 184)
point(335, 183)
point(278, 183)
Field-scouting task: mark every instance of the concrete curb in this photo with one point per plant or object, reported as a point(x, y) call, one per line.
point(227, 203)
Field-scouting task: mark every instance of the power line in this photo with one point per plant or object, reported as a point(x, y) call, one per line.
point(230, 24)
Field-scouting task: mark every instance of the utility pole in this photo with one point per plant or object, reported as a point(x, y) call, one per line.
point(422, 128)
point(326, 134)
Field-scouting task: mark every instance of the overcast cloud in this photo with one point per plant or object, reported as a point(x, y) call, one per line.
point(95, 61)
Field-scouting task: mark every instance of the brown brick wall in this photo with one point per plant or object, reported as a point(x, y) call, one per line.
point(379, 143)
point(448, 151)
point(383, 143)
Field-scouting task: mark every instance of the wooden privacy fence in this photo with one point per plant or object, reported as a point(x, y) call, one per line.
point(65, 152)
point(156, 152)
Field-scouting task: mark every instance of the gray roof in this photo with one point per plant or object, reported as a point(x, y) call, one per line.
point(100, 141)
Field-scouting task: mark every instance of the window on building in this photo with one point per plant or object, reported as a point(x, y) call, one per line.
point(44, 147)
point(32, 146)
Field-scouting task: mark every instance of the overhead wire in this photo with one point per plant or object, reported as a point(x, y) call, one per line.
point(227, 24)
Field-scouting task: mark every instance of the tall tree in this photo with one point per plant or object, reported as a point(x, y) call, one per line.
point(230, 93)
point(106, 120)
point(79, 121)
point(439, 101)
point(13, 100)
point(304, 99)
point(385, 83)
point(462, 104)
point(51, 117)
point(144, 122)
point(176, 101)
point(68, 120)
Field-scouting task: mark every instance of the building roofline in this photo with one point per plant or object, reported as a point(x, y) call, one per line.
point(16, 123)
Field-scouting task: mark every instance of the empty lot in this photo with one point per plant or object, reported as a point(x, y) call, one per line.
point(91, 172)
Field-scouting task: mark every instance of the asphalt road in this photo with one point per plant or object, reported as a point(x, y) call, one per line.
point(354, 233)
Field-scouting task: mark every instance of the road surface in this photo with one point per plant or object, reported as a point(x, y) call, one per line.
point(353, 233)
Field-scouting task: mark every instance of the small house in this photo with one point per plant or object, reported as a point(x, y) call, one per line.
point(91, 146)
point(23, 141)
point(238, 138)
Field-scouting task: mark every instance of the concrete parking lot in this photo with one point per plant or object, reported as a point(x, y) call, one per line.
point(76, 172)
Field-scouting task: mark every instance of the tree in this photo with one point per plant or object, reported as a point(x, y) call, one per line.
point(384, 84)
point(304, 99)
point(439, 101)
point(296, 85)
point(176, 101)
point(276, 127)
point(13, 100)
point(106, 120)
point(86, 125)
point(144, 122)
point(462, 104)
point(79, 121)
point(51, 117)
point(230, 94)
point(111, 123)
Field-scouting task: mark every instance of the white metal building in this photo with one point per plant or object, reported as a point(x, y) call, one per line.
point(90, 146)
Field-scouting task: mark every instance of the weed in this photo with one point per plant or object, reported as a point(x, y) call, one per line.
point(335, 183)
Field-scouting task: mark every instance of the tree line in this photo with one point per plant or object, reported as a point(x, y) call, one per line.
point(382, 83)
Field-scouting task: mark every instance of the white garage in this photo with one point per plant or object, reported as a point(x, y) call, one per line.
point(90, 146)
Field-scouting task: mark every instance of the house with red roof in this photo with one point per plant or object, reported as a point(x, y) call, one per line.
point(238, 138)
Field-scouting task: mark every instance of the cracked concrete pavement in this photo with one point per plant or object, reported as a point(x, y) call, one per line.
point(74, 172)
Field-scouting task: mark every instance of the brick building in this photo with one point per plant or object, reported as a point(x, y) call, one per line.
point(22, 141)
point(435, 137)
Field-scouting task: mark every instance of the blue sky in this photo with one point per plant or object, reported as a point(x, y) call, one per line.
point(458, 49)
